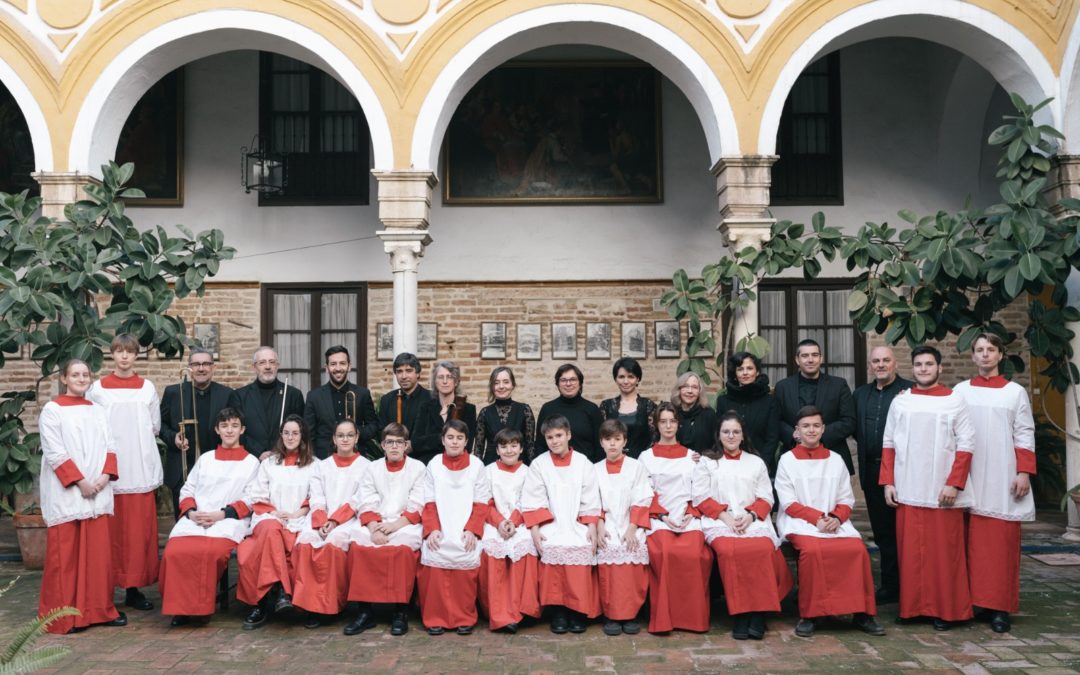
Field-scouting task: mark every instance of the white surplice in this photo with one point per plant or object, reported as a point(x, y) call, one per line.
point(454, 493)
point(135, 419)
point(80, 434)
point(331, 488)
point(214, 484)
point(820, 484)
point(567, 493)
point(282, 486)
point(619, 492)
point(506, 487)
point(738, 483)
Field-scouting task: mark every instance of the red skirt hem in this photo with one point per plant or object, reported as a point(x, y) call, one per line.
point(623, 589)
point(448, 597)
point(134, 530)
point(570, 586)
point(383, 574)
point(741, 562)
point(508, 590)
point(834, 576)
point(933, 563)
point(322, 578)
point(190, 570)
point(264, 560)
point(78, 573)
point(679, 569)
point(993, 559)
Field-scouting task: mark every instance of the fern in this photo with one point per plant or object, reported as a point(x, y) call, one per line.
point(14, 661)
point(36, 660)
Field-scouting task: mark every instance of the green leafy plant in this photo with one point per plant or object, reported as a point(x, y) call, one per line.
point(17, 657)
point(53, 275)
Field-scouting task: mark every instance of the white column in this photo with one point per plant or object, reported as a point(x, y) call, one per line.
point(60, 189)
point(1064, 181)
point(404, 210)
point(742, 189)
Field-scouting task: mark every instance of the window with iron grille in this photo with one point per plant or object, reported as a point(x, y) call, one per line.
point(318, 123)
point(810, 169)
point(790, 312)
point(302, 321)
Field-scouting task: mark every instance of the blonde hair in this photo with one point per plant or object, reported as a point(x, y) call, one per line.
point(676, 400)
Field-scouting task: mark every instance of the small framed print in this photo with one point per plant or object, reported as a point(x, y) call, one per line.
point(706, 327)
point(427, 341)
point(598, 340)
point(668, 337)
point(209, 336)
point(633, 339)
point(528, 342)
point(493, 340)
point(564, 340)
point(384, 341)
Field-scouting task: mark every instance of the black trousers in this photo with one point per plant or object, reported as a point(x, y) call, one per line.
point(883, 524)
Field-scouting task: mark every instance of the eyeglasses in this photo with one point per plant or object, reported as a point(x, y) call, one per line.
point(393, 443)
point(266, 362)
point(568, 380)
point(200, 364)
point(345, 435)
point(731, 432)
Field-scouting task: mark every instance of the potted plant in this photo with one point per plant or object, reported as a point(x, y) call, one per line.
point(32, 534)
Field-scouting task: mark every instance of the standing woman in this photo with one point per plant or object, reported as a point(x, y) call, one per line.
point(697, 420)
point(748, 394)
point(503, 413)
point(278, 498)
point(78, 464)
point(584, 416)
point(630, 408)
point(447, 403)
point(732, 491)
point(679, 561)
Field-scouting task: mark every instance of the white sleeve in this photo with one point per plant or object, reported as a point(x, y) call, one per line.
point(887, 440)
point(52, 437)
point(641, 492)
point(701, 482)
point(762, 486)
point(258, 489)
point(534, 495)
point(785, 487)
point(481, 486)
point(590, 494)
point(155, 411)
point(415, 503)
point(964, 430)
point(191, 485)
point(1024, 424)
point(317, 489)
point(429, 486)
point(844, 495)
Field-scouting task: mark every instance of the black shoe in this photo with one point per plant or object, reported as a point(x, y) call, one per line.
point(136, 600)
point(578, 623)
point(361, 623)
point(886, 596)
point(314, 620)
point(436, 630)
point(559, 623)
point(464, 630)
point(255, 618)
point(510, 628)
point(631, 627)
point(180, 620)
point(400, 624)
point(942, 625)
point(740, 629)
point(756, 630)
point(284, 603)
point(999, 622)
point(805, 628)
point(612, 628)
point(118, 621)
point(902, 621)
point(76, 629)
point(868, 624)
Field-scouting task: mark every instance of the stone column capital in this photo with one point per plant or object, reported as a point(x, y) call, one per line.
point(405, 248)
point(405, 198)
point(1062, 181)
point(742, 188)
point(58, 189)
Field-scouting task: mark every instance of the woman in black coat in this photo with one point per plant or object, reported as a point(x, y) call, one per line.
point(748, 394)
point(697, 421)
point(630, 407)
point(583, 414)
point(447, 402)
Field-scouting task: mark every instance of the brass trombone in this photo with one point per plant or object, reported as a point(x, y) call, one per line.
point(185, 378)
point(350, 405)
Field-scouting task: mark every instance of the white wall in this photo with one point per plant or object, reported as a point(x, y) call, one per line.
point(915, 116)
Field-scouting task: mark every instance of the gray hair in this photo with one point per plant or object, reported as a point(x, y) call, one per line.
point(199, 350)
point(263, 348)
point(676, 400)
point(454, 371)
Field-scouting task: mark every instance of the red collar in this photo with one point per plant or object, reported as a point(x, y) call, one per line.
point(736, 456)
point(456, 463)
point(616, 466)
point(508, 469)
point(802, 452)
point(675, 451)
point(564, 460)
point(223, 454)
point(113, 381)
point(394, 467)
point(66, 400)
point(291, 459)
point(343, 462)
point(993, 382)
point(936, 390)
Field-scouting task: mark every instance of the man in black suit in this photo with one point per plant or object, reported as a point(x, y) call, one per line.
point(403, 404)
point(203, 399)
point(827, 393)
point(327, 405)
point(261, 403)
point(872, 401)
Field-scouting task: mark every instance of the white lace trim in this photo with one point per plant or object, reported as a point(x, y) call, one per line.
point(137, 489)
point(1025, 517)
point(78, 516)
point(623, 556)
point(568, 555)
point(450, 565)
point(714, 533)
point(515, 551)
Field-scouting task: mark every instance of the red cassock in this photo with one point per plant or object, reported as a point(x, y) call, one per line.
point(265, 559)
point(993, 558)
point(78, 573)
point(509, 569)
point(933, 563)
point(755, 574)
point(623, 572)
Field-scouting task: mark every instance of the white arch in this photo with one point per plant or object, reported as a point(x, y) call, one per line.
point(35, 117)
point(153, 55)
point(1070, 92)
point(598, 25)
point(1014, 60)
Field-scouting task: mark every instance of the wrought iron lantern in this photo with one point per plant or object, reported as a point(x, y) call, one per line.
point(261, 170)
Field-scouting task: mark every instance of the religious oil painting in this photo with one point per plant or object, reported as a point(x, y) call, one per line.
point(551, 133)
point(153, 139)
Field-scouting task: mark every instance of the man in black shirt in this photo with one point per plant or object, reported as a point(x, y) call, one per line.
point(261, 403)
point(827, 393)
point(402, 405)
point(872, 402)
point(203, 400)
point(329, 404)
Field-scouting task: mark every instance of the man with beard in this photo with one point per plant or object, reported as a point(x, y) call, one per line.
point(402, 405)
point(260, 402)
point(203, 400)
point(329, 404)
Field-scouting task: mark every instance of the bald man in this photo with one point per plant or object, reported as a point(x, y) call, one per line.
point(261, 403)
point(872, 402)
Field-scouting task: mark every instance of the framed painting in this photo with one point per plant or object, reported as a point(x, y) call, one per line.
point(564, 340)
point(528, 342)
point(427, 341)
point(598, 340)
point(209, 336)
point(557, 133)
point(633, 339)
point(384, 341)
point(668, 339)
point(153, 138)
point(493, 340)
